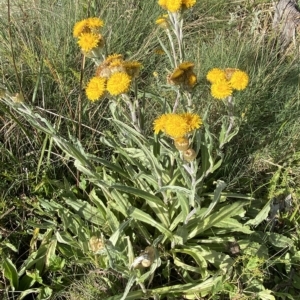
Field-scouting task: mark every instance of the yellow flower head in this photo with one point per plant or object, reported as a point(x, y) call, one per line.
point(163, 21)
point(94, 23)
point(239, 80)
point(163, 3)
point(170, 5)
point(171, 124)
point(186, 66)
point(118, 83)
point(176, 126)
point(132, 68)
point(86, 25)
point(95, 88)
point(188, 3)
point(113, 57)
point(221, 89)
point(215, 75)
point(192, 120)
point(88, 41)
point(174, 5)
point(80, 27)
point(159, 123)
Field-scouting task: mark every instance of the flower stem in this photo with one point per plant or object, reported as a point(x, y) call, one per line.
point(231, 120)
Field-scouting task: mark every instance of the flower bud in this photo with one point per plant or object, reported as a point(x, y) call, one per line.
point(189, 155)
point(182, 144)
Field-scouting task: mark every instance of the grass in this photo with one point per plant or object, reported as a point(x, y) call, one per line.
point(39, 56)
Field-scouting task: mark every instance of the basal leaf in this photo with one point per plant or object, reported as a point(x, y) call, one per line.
point(10, 273)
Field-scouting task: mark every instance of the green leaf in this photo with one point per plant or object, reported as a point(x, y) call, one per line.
point(109, 165)
point(45, 293)
point(129, 284)
point(217, 194)
point(233, 224)
point(266, 295)
point(154, 202)
point(197, 257)
point(116, 235)
point(10, 273)
point(261, 216)
point(50, 252)
point(144, 217)
point(197, 226)
point(86, 211)
point(28, 292)
point(139, 193)
point(279, 240)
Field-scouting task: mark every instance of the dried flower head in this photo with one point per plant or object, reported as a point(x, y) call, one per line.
point(132, 68)
point(188, 3)
point(186, 66)
point(229, 72)
point(191, 80)
point(96, 244)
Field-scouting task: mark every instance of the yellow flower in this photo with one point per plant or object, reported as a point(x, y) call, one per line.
point(193, 121)
point(79, 28)
point(215, 75)
point(159, 123)
point(95, 88)
point(94, 23)
point(188, 3)
point(173, 5)
point(85, 26)
point(239, 80)
point(163, 3)
point(88, 41)
point(221, 89)
point(176, 126)
point(113, 57)
point(171, 124)
point(162, 21)
point(118, 83)
point(132, 68)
